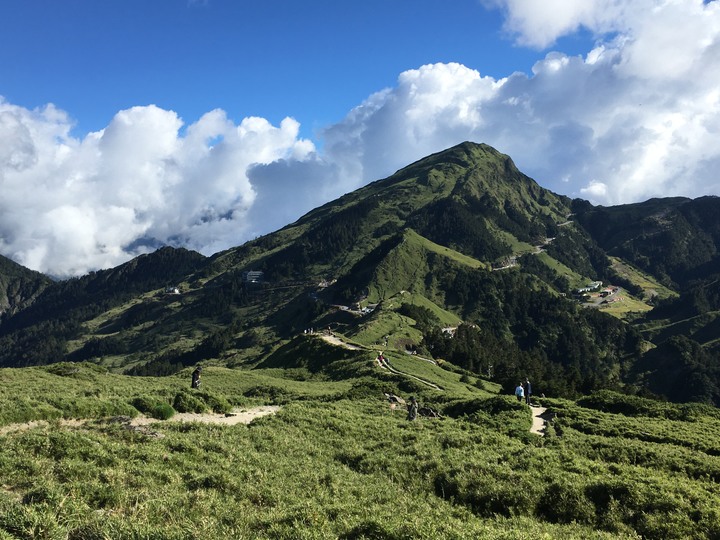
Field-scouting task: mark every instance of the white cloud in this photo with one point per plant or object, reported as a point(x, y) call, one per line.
point(636, 117)
point(70, 205)
point(539, 23)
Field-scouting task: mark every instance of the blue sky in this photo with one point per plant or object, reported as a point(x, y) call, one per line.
point(313, 61)
point(129, 124)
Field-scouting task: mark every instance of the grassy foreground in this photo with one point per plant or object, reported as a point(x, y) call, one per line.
point(337, 462)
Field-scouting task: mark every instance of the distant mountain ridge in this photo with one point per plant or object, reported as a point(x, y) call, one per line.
point(18, 286)
point(675, 239)
point(460, 236)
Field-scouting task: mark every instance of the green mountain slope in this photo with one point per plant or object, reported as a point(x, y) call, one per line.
point(18, 287)
point(676, 239)
point(458, 237)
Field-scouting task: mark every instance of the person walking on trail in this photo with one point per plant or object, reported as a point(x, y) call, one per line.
point(412, 409)
point(381, 360)
point(196, 377)
point(528, 390)
point(519, 392)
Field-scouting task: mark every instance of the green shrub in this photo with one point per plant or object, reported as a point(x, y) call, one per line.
point(162, 411)
point(370, 530)
point(25, 410)
point(613, 402)
point(271, 393)
point(369, 388)
point(217, 404)
point(615, 502)
point(565, 501)
point(90, 407)
point(82, 371)
point(153, 407)
point(484, 495)
point(492, 406)
point(185, 402)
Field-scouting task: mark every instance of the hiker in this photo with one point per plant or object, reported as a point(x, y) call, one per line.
point(519, 392)
point(412, 409)
point(196, 377)
point(528, 390)
point(381, 360)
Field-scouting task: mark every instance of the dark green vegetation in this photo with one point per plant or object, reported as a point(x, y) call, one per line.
point(464, 272)
point(18, 286)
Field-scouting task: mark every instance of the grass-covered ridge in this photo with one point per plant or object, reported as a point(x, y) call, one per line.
point(337, 462)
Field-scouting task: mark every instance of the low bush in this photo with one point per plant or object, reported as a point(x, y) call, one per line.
point(486, 495)
point(565, 501)
point(153, 407)
point(491, 406)
point(185, 402)
point(613, 402)
point(271, 393)
point(26, 410)
point(368, 387)
point(217, 404)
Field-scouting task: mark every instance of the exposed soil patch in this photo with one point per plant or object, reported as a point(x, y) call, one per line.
point(334, 340)
point(538, 420)
point(237, 416)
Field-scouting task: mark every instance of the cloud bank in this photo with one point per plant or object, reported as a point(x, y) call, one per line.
point(635, 117)
point(70, 205)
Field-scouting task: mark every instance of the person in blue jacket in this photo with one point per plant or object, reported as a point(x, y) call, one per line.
point(519, 392)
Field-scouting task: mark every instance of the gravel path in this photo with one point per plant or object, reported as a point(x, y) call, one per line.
point(237, 416)
point(538, 422)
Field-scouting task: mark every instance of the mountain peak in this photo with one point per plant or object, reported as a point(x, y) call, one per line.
point(465, 154)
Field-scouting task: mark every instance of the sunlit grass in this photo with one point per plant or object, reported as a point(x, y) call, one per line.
point(337, 462)
point(643, 280)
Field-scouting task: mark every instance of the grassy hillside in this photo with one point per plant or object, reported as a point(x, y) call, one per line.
point(337, 462)
point(651, 288)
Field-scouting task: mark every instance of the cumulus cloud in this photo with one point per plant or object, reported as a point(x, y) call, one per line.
point(70, 205)
point(539, 23)
point(638, 116)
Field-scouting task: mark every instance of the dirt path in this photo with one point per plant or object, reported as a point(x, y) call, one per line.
point(538, 420)
point(339, 342)
point(387, 366)
point(237, 416)
point(334, 340)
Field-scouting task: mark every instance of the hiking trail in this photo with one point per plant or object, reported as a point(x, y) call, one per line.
point(236, 416)
point(334, 340)
point(539, 420)
point(539, 414)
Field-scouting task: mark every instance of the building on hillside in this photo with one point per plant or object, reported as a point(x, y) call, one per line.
point(594, 286)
